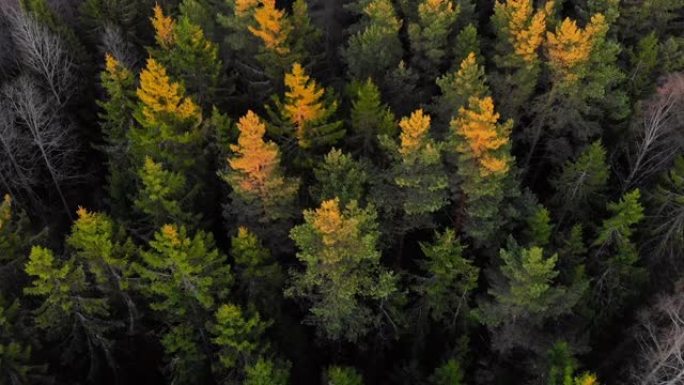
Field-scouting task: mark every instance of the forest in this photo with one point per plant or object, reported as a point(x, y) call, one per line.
point(342, 192)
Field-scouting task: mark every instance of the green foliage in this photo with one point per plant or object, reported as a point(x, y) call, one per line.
point(237, 336)
point(645, 62)
point(582, 182)
point(339, 175)
point(539, 227)
point(449, 373)
point(669, 200)
point(429, 35)
point(16, 366)
point(343, 375)
point(369, 117)
point(266, 372)
point(466, 42)
point(448, 278)
point(343, 281)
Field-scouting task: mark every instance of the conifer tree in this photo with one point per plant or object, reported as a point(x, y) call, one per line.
point(418, 172)
point(449, 373)
point(524, 297)
point(343, 375)
point(340, 176)
point(115, 120)
point(16, 240)
point(343, 282)
point(305, 114)
point(483, 149)
point(447, 279)
point(266, 372)
point(369, 117)
point(184, 278)
point(619, 275)
point(375, 48)
point(669, 215)
point(467, 41)
point(263, 198)
point(16, 366)
point(187, 54)
point(429, 35)
point(562, 367)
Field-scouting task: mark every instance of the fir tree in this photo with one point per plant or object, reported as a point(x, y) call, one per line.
point(342, 375)
point(266, 372)
point(339, 175)
point(429, 35)
point(369, 118)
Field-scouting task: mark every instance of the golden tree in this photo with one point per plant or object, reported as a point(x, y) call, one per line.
point(569, 48)
point(163, 27)
point(273, 27)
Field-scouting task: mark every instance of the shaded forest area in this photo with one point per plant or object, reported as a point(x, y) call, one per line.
point(400, 192)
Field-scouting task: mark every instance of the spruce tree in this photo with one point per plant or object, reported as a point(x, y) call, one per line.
point(370, 117)
point(340, 176)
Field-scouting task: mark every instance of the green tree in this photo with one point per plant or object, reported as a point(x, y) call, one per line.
point(447, 280)
point(668, 199)
point(267, 372)
point(370, 117)
point(429, 35)
point(617, 257)
point(562, 366)
point(343, 375)
point(539, 227)
point(341, 176)
point(184, 277)
point(343, 282)
point(16, 365)
point(449, 373)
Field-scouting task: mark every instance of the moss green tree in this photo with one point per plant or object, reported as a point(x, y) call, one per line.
point(370, 117)
point(340, 176)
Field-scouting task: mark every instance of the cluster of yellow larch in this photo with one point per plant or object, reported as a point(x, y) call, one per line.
point(569, 47)
point(525, 27)
point(273, 28)
point(429, 9)
point(115, 70)
point(303, 102)
point(160, 95)
point(328, 221)
point(414, 130)
point(163, 27)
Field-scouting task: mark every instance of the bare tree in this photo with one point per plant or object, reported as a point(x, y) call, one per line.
point(114, 43)
point(661, 338)
point(43, 52)
point(53, 141)
point(656, 141)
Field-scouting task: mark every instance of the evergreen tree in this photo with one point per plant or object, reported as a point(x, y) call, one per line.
point(447, 279)
point(339, 175)
point(343, 375)
point(262, 198)
point(483, 149)
point(16, 366)
point(184, 278)
point(450, 373)
point(343, 282)
point(562, 367)
point(306, 111)
point(668, 198)
point(369, 118)
point(429, 35)
point(266, 372)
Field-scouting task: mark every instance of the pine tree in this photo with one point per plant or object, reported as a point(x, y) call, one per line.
point(339, 175)
point(619, 275)
point(306, 111)
point(466, 42)
point(418, 172)
point(449, 373)
point(375, 48)
point(429, 35)
point(447, 279)
point(187, 54)
point(524, 298)
point(273, 28)
point(369, 117)
point(184, 278)
point(266, 372)
point(483, 148)
point(115, 120)
point(263, 199)
point(342, 281)
point(581, 184)
point(343, 375)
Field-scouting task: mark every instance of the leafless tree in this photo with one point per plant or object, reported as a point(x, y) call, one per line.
point(661, 338)
point(657, 143)
point(37, 118)
point(114, 42)
point(43, 53)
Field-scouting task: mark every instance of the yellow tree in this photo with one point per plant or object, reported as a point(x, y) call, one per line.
point(482, 145)
point(569, 47)
point(261, 194)
point(305, 113)
point(273, 28)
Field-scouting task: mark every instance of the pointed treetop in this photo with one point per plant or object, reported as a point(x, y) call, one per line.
point(525, 27)
point(242, 7)
point(303, 100)
point(570, 46)
point(328, 220)
point(159, 95)
point(163, 27)
point(413, 131)
point(272, 27)
point(170, 234)
point(115, 69)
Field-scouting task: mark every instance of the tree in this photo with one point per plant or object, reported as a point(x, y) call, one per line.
point(581, 183)
point(273, 29)
point(16, 240)
point(266, 372)
point(449, 373)
point(187, 53)
point(115, 119)
point(184, 278)
point(343, 375)
point(16, 366)
point(562, 367)
point(305, 114)
point(375, 48)
point(343, 282)
point(340, 176)
point(617, 256)
point(429, 35)
point(417, 171)
point(263, 199)
point(524, 297)
point(483, 157)
point(447, 280)
point(369, 117)
point(668, 221)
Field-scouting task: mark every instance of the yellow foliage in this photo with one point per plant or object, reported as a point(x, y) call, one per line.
point(115, 70)
point(328, 221)
point(272, 27)
point(413, 131)
point(570, 46)
point(5, 210)
point(526, 28)
point(161, 96)
point(256, 158)
point(303, 100)
point(244, 6)
point(586, 379)
point(436, 7)
point(84, 215)
point(170, 233)
point(478, 125)
point(163, 27)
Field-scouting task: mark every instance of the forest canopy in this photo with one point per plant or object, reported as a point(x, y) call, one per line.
point(328, 192)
